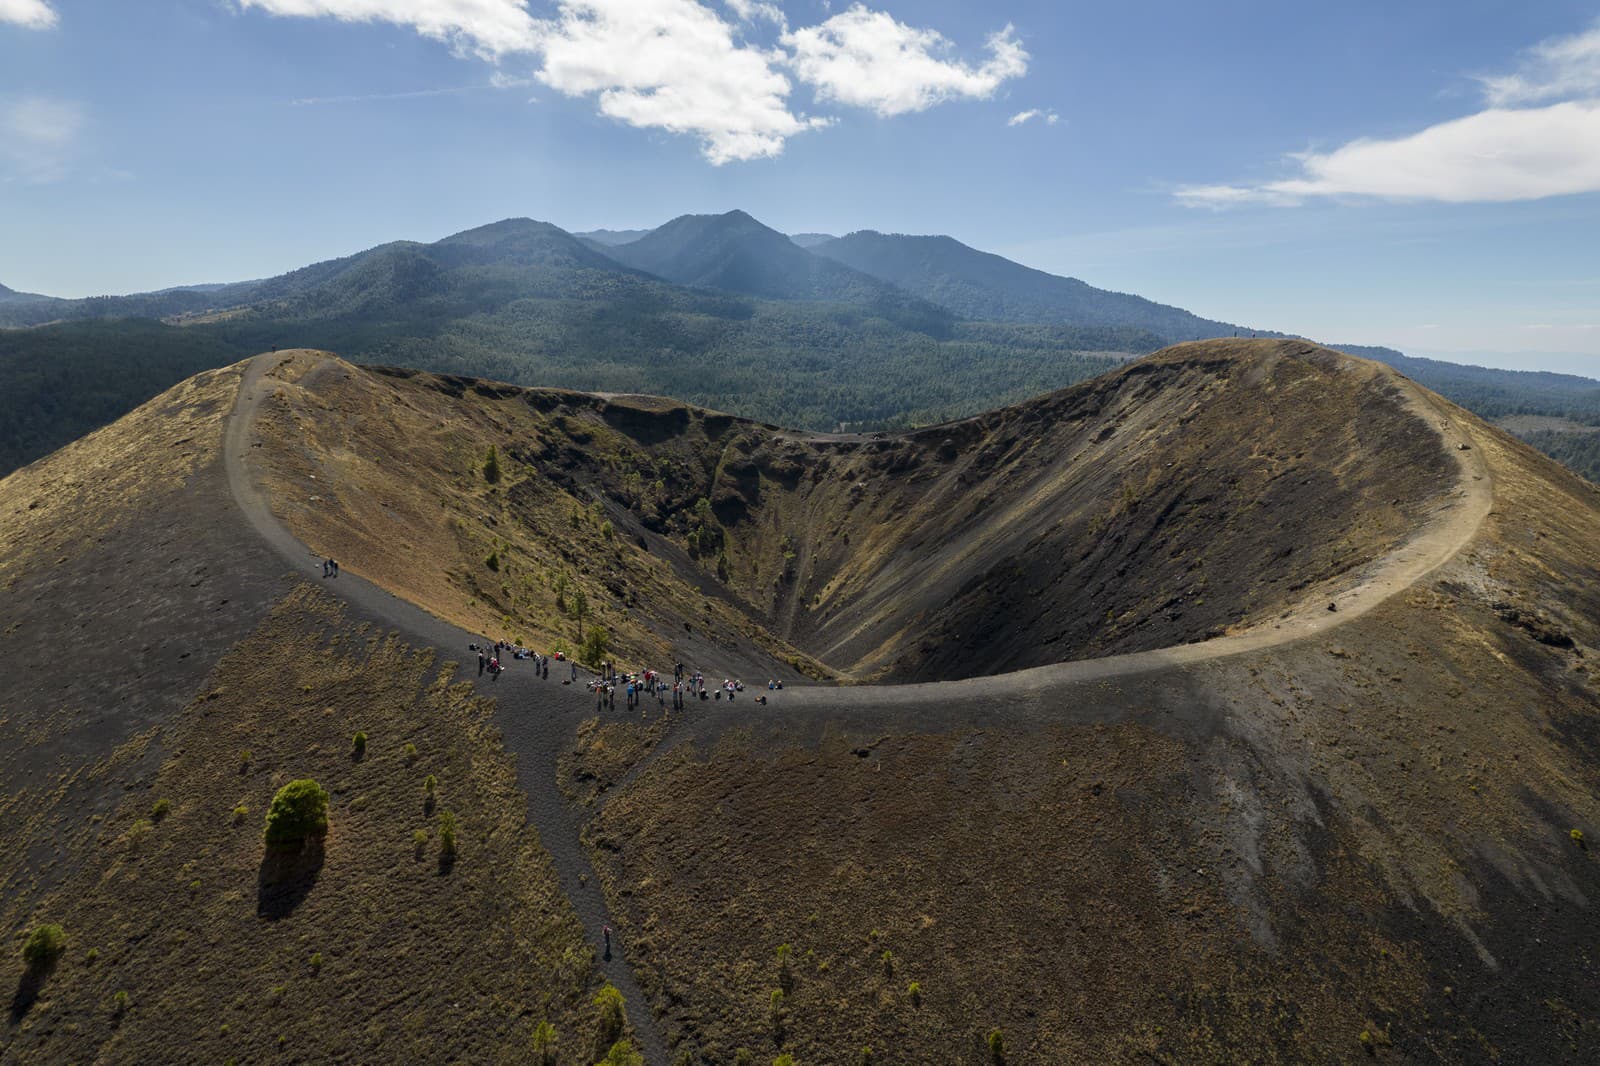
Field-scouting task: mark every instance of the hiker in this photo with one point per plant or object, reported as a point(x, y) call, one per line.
point(494, 669)
point(606, 932)
point(483, 660)
point(324, 568)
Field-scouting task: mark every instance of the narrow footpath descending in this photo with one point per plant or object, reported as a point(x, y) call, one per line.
point(534, 716)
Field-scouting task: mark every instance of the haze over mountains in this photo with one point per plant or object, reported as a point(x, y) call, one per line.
point(865, 330)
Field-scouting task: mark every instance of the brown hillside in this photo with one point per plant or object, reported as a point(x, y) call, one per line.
point(1210, 821)
point(1125, 514)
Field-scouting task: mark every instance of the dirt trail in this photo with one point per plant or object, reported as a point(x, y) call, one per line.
point(537, 720)
point(535, 717)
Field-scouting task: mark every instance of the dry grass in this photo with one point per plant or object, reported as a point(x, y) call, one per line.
point(1106, 518)
point(372, 954)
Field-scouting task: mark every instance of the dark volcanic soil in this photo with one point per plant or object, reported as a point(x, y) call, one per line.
point(1129, 513)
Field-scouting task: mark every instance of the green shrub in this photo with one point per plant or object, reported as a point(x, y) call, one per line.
point(596, 645)
point(430, 783)
point(240, 813)
point(358, 745)
point(119, 1004)
point(612, 1015)
point(299, 811)
point(92, 955)
point(743, 1057)
point(785, 972)
point(784, 1060)
point(43, 947)
point(544, 1044)
point(244, 760)
point(865, 1058)
point(419, 842)
point(491, 466)
point(776, 1003)
point(1577, 836)
point(137, 833)
point(888, 964)
point(997, 1048)
point(447, 835)
point(914, 994)
point(410, 752)
point(606, 531)
point(493, 561)
point(622, 1053)
point(160, 810)
point(316, 962)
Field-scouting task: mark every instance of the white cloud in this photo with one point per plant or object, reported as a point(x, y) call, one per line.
point(1045, 115)
point(32, 14)
point(685, 66)
point(1559, 69)
point(1493, 156)
point(1500, 154)
point(751, 10)
point(490, 28)
point(38, 137)
point(865, 58)
point(672, 65)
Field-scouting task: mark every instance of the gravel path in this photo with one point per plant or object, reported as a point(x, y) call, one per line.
point(536, 717)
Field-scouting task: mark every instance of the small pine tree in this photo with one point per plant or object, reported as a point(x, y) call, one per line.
point(544, 1044)
point(299, 811)
point(612, 1015)
point(580, 607)
point(997, 1048)
point(447, 835)
point(606, 530)
point(595, 646)
point(622, 1053)
point(358, 745)
point(43, 947)
point(491, 466)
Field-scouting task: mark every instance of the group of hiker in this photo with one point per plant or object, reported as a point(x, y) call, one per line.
point(637, 687)
point(491, 659)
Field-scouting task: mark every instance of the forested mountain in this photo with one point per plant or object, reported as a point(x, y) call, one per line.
point(811, 240)
point(1494, 393)
point(735, 253)
point(526, 302)
point(983, 286)
point(11, 296)
point(611, 237)
point(718, 310)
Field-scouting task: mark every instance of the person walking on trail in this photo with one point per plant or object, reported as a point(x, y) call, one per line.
point(333, 564)
point(324, 568)
point(605, 931)
point(483, 660)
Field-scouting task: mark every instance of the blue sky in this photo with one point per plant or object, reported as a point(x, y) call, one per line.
point(1424, 174)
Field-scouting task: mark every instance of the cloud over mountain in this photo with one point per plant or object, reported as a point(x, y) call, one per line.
point(1502, 153)
point(689, 68)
